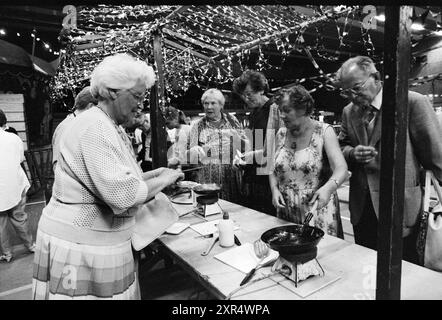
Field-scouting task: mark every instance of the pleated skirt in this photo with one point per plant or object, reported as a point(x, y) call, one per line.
point(66, 270)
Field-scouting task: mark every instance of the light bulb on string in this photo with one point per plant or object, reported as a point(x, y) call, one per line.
point(416, 26)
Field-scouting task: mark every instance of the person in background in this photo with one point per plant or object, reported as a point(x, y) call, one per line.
point(176, 120)
point(360, 137)
point(83, 247)
point(140, 135)
point(83, 101)
point(264, 122)
point(10, 129)
point(308, 165)
point(13, 188)
point(214, 141)
point(46, 123)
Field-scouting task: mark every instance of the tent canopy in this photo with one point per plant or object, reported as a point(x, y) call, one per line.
point(14, 55)
point(11, 54)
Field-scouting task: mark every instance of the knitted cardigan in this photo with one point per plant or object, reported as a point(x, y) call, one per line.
point(98, 185)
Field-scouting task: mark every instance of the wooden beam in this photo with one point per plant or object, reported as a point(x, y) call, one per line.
point(179, 10)
point(79, 47)
point(158, 125)
point(393, 143)
point(196, 54)
point(181, 47)
point(191, 40)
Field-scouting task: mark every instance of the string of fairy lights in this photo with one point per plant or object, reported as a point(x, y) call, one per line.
point(208, 30)
point(33, 35)
point(207, 45)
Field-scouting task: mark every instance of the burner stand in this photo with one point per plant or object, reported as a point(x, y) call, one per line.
point(298, 267)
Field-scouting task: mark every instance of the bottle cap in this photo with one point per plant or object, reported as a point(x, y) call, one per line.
point(225, 215)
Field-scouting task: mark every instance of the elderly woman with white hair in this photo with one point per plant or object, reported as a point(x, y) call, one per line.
point(214, 140)
point(83, 248)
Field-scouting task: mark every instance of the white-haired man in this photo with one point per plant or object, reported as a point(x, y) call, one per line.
point(360, 142)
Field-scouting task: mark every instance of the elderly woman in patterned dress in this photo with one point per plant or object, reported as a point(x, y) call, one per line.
point(214, 140)
point(84, 235)
point(306, 150)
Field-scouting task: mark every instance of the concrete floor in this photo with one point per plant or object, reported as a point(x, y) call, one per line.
point(157, 282)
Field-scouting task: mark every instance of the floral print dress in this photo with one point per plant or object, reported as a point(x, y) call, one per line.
point(299, 174)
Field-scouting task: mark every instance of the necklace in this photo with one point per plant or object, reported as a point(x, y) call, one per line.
point(293, 139)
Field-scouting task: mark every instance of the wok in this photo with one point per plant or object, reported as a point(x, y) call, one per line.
point(289, 240)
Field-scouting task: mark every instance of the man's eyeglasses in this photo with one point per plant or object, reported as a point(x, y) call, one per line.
point(355, 90)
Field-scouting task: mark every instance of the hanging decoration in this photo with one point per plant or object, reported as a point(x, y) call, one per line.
point(202, 45)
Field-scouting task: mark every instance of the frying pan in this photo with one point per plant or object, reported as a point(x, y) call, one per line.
point(207, 199)
point(289, 239)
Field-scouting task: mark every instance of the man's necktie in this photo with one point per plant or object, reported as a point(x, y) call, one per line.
point(370, 119)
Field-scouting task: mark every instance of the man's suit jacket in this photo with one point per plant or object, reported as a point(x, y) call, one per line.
point(424, 148)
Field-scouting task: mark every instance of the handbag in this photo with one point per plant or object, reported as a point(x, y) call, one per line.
point(429, 242)
point(153, 218)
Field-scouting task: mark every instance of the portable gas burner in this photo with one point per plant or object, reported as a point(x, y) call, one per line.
point(208, 209)
point(205, 198)
point(297, 247)
point(298, 267)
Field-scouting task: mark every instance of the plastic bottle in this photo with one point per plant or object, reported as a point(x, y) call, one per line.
point(225, 228)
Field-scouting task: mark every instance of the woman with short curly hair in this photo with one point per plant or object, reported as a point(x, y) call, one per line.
point(264, 121)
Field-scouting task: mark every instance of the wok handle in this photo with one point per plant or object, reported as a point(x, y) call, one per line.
point(248, 277)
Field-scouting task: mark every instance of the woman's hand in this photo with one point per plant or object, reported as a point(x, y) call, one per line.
point(195, 153)
point(323, 195)
point(278, 199)
point(171, 176)
point(238, 162)
point(173, 162)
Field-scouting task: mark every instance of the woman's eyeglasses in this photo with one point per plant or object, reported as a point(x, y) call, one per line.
point(139, 97)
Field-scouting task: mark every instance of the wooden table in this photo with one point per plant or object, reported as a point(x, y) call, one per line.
point(354, 264)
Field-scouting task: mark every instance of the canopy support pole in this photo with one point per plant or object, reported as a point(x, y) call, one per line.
point(393, 146)
point(157, 121)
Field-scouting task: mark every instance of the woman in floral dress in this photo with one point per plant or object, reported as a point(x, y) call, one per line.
point(308, 165)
